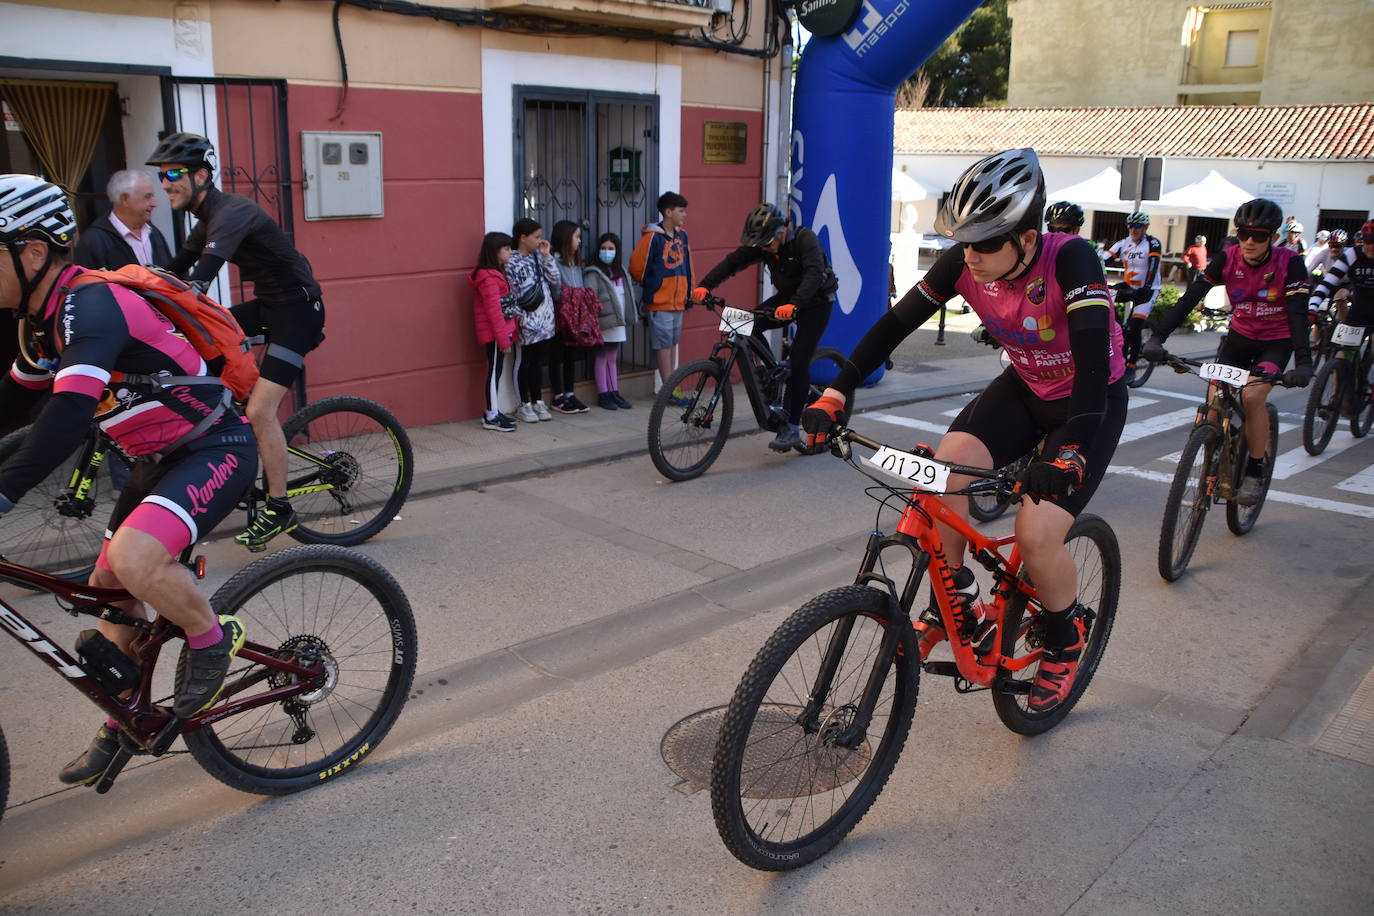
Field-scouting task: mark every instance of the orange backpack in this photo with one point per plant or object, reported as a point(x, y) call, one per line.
point(206, 325)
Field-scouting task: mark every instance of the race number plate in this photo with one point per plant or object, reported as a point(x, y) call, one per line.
point(737, 320)
point(922, 472)
point(1220, 372)
point(1347, 335)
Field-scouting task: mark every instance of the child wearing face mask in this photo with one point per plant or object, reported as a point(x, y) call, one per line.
point(619, 306)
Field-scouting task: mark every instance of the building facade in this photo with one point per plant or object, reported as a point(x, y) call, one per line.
point(388, 141)
point(1182, 52)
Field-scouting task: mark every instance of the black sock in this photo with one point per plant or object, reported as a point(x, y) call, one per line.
point(1058, 627)
point(279, 503)
point(1255, 467)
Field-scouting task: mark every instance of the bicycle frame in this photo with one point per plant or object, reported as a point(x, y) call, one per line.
point(150, 727)
point(740, 346)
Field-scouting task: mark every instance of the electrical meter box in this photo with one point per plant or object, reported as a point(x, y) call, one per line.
point(343, 174)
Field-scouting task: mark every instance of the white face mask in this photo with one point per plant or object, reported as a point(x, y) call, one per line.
point(607, 255)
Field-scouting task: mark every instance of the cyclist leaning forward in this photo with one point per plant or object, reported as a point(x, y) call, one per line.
point(108, 354)
point(1044, 298)
point(806, 287)
point(286, 308)
point(1267, 285)
point(1354, 268)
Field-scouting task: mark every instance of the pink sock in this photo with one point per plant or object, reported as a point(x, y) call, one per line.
point(206, 639)
point(111, 724)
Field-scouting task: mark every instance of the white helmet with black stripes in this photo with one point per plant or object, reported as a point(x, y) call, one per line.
point(31, 208)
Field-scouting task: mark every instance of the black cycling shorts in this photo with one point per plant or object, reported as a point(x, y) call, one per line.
point(292, 330)
point(182, 497)
point(1264, 356)
point(1009, 419)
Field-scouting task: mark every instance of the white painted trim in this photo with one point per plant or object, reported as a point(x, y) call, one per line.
point(184, 45)
point(503, 70)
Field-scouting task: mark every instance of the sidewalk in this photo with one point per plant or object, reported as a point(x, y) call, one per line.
point(463, 455)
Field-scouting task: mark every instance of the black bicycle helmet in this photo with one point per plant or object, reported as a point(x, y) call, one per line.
point(762, 223)
point(1063, 211)
point(1259, 213)
point(997, 195)
point(182, 148)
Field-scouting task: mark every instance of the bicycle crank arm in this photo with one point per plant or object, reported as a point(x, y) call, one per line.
point(117, 762)
point(165, 736)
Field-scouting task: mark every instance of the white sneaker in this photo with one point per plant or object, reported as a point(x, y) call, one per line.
point(542, 410)
point(527, 413)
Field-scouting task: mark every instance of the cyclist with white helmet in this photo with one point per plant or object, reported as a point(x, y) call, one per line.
point(1292, 237)
point(1139, 253)
point(1267, 285)
point(101, 348)
point(1044, 298)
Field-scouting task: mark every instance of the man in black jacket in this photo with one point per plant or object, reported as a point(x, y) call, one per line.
point(805, 287)
point(127, 235)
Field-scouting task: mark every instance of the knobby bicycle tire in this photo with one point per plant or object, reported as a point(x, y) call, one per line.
point(686, 438)
point(1143, 370)
point(327, 602)
point(37, 534)
point(783, 791)
point(1240, 519)
point(1323, 413)
point(1185, 508)
point(1097, 557)
point(990, 505)
point(360, 453)
point(1361, 406)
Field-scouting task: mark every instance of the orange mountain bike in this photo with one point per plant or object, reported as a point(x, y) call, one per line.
point(816, 725)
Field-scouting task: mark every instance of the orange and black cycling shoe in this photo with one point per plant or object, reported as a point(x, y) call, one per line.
point(1058, 668)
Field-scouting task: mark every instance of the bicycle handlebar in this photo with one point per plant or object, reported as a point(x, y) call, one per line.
point(711, 303)
point(1183, 364)
point(846, 435)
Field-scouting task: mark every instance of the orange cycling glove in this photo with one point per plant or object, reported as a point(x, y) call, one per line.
point(785, 312)
point(700, 293)
point(820, 419)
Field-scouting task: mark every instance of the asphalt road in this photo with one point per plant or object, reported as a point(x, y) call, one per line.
point(568, 621)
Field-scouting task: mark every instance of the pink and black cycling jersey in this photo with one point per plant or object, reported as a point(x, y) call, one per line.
point(109, 345)
point(1029, 317)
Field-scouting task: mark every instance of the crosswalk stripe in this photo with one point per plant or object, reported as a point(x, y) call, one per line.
point(1362, 482)
point(1172, 457)
point(1156, 424)
point(1295, 460)
point(1277, 496)
point(1197, 399)
point(908, 422)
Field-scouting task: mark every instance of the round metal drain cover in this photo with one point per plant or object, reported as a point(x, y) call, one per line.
point(781, 761)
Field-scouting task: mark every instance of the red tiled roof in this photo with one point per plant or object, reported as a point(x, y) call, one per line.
point(1274, 132)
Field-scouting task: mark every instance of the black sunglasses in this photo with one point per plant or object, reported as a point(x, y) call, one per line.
point(1254, 235)
point(171, 174)
point(988, 246)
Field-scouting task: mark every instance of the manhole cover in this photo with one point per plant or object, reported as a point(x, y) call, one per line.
point(782, 759)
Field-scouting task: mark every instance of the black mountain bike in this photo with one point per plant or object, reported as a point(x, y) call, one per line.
point(1342, 387)
point(1212, 463)
point(349, 470)
point(691, 416)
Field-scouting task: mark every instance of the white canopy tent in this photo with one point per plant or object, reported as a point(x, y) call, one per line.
point(1096, 193)
point(906, 189)
point(1211, 195)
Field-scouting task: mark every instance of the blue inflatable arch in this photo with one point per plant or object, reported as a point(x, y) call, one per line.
point(842, 145)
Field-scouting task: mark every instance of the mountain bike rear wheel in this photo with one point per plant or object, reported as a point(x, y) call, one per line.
point(1361, 406)
point(349, 467)
point(793, 772)
point(1190, 496)
point(1323, 411)
point(1097, 556)
point(1240, 519)
point(690, 420)
point(1143, 369)
point(52, 529)
point(989, 505)
point(311, 605)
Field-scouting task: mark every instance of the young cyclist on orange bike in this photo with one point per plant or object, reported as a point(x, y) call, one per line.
point(1044, 298)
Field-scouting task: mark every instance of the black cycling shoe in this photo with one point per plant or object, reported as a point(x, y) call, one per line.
point(201, 672)
point(89, 767)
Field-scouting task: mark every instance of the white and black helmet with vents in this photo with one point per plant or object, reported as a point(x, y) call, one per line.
point(1002, 193)
point(31, 208)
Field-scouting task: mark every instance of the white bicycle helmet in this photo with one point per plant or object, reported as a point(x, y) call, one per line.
point(1000, 194)
point(31, 208)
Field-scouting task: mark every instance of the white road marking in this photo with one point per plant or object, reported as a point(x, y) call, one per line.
point(908, 422)
point(1278, 496)
point(1157, 424)
point(1295, 460)
point(1362, 482)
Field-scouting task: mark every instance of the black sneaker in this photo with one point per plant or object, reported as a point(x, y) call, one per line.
point(200, 672)
point(500, 423)
point(564, 404)
point(788, 438)
point(620, 402)
point(606, 402)
point(87, 768)
point(277, 517)
point(574, 405)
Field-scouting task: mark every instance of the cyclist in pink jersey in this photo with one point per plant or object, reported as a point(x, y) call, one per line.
point(1268, 288)
point(1044, 297)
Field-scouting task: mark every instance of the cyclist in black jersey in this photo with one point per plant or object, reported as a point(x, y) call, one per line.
point(286, 306)
point(1353, 267)
point(108, 355)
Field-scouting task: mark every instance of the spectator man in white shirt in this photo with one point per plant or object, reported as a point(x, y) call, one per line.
point(127, 235)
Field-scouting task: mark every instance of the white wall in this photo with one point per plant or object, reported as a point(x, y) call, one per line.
point(58, 34)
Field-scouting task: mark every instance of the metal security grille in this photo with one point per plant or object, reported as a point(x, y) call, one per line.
point(591, 158)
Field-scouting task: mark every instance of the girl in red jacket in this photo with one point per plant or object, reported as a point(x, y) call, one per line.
point(493, 313)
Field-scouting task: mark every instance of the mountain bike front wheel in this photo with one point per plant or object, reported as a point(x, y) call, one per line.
point(317, 605)
point(1143, 369)
point(1097, 557)
point(795, 769)
point(1323, 413)
point(1240, 519)
point(1361, 405)
point(1190, 496)
point(349, 467)
point(690, 420)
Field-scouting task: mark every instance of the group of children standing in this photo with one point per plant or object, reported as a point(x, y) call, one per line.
point(519, 280)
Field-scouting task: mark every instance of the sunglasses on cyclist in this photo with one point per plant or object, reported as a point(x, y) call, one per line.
point(1254, 235)
point(172, 174)
point(1055, 227)
point(987, 246)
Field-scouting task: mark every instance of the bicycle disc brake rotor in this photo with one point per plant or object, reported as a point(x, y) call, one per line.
point(785, 760)
point(306, 651)
point(343, 471)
